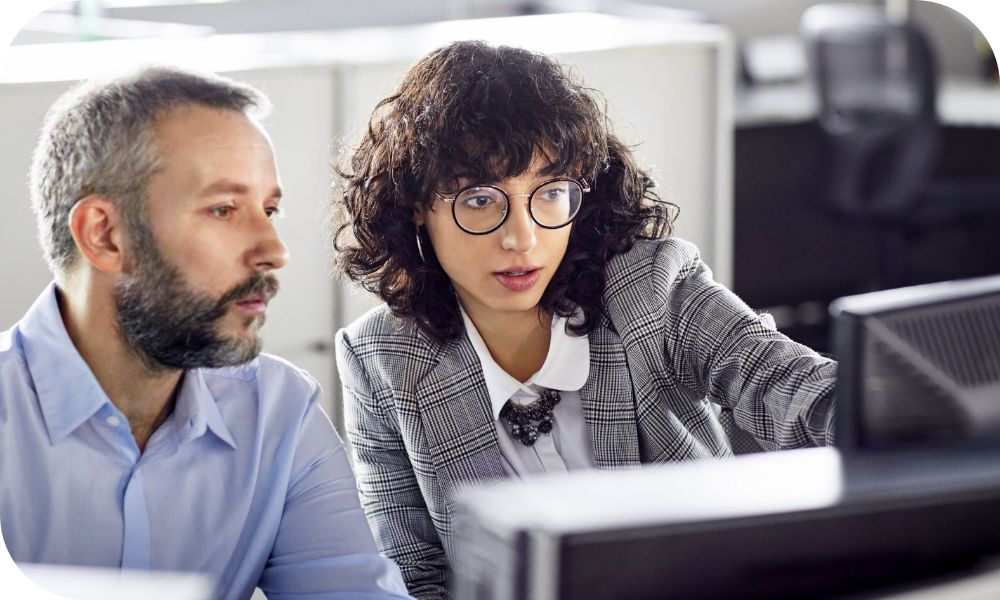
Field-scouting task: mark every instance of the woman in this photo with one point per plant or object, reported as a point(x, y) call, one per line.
point(537, 316)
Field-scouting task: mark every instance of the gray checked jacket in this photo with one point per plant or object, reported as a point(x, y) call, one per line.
point(672, 341)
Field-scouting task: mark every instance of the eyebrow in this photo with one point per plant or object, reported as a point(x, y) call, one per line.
point(232, 187)
point(470, 179)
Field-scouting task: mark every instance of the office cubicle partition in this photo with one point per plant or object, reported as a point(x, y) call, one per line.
point(668, 86)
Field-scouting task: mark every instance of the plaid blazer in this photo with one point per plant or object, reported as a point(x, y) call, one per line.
point(673, 340)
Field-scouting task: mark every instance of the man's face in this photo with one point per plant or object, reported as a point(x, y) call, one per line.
point(198, 281)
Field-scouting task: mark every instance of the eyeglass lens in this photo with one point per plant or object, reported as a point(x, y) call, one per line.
point(482, 208)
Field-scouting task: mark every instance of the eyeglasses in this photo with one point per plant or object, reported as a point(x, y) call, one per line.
point(481, 209)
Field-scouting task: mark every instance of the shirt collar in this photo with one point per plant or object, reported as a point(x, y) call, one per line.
point(69, 393)
point(566, 366)
point(196, 410)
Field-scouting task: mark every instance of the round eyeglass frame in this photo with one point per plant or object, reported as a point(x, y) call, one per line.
point(584, 188)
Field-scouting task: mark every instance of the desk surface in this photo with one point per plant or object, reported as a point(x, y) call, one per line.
point(94, 583)
point(961, 102)
point(978, 585)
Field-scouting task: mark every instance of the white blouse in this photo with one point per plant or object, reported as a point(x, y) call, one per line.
point(565, 369)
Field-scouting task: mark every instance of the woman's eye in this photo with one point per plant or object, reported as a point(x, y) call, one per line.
point(223, 211)
point(553, 194)
point(272, 212)
point(477, 201)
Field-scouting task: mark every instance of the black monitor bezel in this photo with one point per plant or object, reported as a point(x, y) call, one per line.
point(847, 343)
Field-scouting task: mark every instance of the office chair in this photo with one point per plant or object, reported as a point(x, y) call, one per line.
point(876, 83)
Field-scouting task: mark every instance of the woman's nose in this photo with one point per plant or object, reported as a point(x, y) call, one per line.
point(518, 231)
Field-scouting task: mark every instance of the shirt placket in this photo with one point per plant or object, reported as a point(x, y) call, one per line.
point(136, 535)
point(544, 447)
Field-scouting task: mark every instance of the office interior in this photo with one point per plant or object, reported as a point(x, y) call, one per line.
point(718, 98)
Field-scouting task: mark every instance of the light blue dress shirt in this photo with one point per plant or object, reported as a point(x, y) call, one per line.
point(246, 481)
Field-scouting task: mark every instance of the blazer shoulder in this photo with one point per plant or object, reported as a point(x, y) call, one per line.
point(653, 265)
point(382, 345)
point(379, 327)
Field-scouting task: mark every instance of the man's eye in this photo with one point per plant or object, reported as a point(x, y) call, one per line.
point(223, 211)
point(273, 212)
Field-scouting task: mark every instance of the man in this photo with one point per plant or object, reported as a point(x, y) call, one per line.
point(139, 428)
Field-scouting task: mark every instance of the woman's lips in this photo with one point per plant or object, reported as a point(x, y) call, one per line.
point(518, 281)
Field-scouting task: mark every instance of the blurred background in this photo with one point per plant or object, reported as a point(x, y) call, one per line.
point(815, 151)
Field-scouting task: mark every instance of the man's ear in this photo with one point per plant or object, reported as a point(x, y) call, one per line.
point(98, 231)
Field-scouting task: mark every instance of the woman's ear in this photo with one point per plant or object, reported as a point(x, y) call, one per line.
point(418, 216)
point(97, 230)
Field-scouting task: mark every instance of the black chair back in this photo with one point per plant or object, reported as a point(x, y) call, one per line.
point(876, 85)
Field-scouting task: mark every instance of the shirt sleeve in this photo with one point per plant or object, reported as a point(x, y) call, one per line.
point(390, 492)
point(324, 548)
point(779, 391)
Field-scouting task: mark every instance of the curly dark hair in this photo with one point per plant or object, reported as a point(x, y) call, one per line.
point(483, 112)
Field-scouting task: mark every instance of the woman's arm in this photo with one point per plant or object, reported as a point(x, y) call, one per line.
point(780, 391)
point(388, 486)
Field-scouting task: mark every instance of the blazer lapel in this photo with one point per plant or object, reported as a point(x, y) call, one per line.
point(608, 402)
point(455, 409)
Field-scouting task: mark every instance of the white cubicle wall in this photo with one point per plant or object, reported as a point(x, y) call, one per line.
point(669, 88)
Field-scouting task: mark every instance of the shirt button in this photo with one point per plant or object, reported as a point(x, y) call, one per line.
point(113, 421)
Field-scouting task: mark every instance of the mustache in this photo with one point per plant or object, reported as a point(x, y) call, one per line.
point(259, 284)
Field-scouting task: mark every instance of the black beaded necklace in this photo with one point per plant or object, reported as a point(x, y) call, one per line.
point(524, 423)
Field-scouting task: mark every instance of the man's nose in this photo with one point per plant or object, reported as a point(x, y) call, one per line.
point(270, 252)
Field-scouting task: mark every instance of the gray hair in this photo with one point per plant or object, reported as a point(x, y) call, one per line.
point(98, 139)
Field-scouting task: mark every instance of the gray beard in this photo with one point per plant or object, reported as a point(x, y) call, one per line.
point(168, 325)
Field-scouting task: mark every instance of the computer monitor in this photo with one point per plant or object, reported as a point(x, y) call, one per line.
point(913, 494)
point(919, 367)
point(777, 525)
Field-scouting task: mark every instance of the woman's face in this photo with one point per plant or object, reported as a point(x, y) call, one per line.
point(504, 273)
